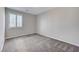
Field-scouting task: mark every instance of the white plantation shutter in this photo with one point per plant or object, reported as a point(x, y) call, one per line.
point(12, 20)
point(15, 20)
point(19, 21)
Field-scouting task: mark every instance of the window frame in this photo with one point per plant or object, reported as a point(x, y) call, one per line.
point(16, 20)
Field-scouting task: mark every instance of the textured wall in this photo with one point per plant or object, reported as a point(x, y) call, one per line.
point(28, 24)
point(60, 23)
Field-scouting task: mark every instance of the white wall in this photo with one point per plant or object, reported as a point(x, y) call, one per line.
point(29, 25)
point(61, 24)
point(2, 27)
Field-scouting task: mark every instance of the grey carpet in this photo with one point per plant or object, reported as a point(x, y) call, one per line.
point(37, 43)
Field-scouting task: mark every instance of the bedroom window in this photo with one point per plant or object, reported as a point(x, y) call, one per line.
point(15, 20)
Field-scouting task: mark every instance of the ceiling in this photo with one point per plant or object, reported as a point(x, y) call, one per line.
point(32, 10)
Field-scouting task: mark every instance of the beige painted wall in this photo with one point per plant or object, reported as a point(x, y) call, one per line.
point(60, 23)
point(29, 25)
point(2, 27)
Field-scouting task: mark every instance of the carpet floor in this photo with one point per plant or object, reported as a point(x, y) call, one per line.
point(37, 43)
